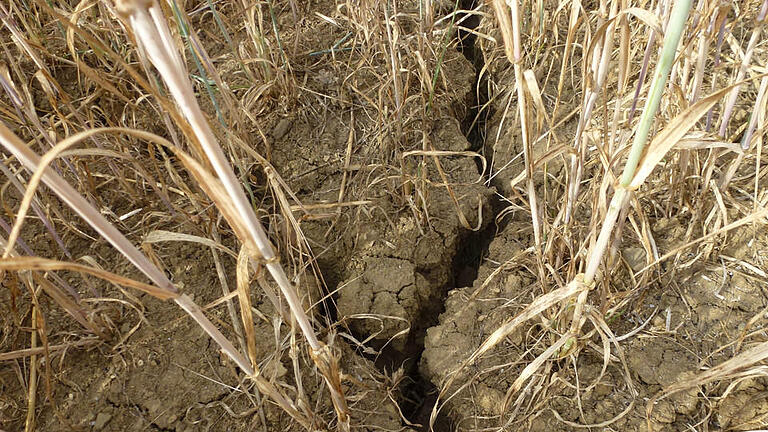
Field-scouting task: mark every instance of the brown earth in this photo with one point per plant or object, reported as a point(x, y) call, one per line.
point(162, 373)
point(391, 267)
point(684, 319)
point(690, 325)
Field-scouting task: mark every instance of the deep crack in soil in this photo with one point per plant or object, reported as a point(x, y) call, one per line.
point(419, 393)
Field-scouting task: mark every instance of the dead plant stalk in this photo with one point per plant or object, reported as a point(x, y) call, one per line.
point(151, 31)
point(163, 288)
point(580, 286)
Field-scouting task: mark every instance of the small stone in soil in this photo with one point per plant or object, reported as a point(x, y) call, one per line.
point(282, 128)
point(101, 420)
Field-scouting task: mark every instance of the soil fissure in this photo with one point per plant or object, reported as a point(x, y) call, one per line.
point(419, 393)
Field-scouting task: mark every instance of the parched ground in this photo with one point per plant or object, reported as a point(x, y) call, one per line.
point(422, 256)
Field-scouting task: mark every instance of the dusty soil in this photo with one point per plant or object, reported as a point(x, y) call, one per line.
point(687, 317)
point(391, 266)
point(387, 264)
point(689, 326)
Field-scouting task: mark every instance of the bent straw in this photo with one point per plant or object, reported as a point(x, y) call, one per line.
point(151, 31)
point(677, 20)
point(163, 286)
point(583, 283)
point(73, 199)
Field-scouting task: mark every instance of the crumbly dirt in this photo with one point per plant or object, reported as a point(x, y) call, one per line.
point(688, 317)
point(386, 262)
point(164, 373)
point(389, 266)
point(691, 327)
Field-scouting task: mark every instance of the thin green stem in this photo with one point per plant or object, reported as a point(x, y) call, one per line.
point(675, 29)
point(443, 49)
point(182, 25)
point(678, 17)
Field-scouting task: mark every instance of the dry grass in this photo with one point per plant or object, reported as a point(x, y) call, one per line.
point(692, 184)
point(166, 112)
point(112, 95)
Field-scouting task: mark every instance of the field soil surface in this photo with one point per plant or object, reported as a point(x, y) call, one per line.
point(417, 259)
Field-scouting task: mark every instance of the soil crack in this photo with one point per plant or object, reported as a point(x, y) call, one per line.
point(420, 393)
